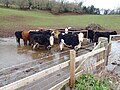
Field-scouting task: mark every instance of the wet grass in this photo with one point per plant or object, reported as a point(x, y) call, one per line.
point(19, 19)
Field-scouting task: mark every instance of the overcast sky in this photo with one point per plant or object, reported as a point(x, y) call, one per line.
point(105, 4)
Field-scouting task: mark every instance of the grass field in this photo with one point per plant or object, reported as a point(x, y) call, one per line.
point(17, 19)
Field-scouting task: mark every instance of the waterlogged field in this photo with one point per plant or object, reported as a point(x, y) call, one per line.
point(13, 20)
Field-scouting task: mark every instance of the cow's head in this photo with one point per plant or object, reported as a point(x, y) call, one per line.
point(66, 31)
point(113, 33)
point(51, 39)
point(80, 37)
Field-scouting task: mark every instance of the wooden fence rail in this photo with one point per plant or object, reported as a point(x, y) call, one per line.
point(34, 77)
point(77, 59)
point(98, 49)
point(110, 39)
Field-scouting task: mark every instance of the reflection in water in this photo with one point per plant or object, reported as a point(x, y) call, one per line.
point(11, 54)
point(32, 60)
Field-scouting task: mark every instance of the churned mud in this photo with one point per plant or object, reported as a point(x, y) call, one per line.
point(114, 58)
point(19, 62)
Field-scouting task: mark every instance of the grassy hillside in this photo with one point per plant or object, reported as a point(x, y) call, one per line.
point(17, 19)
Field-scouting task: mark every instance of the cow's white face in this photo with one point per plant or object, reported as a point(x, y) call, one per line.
point(66, 31)
point(80, 37)
point(51, 39)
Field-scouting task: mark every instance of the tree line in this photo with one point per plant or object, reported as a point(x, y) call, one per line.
point(54, 6)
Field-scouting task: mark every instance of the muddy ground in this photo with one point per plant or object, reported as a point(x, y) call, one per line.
point(11, 32)
point(18, 62)
point(12, 54)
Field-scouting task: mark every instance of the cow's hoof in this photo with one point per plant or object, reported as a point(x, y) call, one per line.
point(76, 48)
point(60, 50)
point(48, 48)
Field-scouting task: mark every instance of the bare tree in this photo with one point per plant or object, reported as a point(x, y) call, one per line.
point(6, 3)
point(23, 4)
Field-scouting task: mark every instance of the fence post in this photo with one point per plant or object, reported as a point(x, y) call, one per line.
point(108, 49)
point(106, 56)
point(101, 56)
point(72, 68)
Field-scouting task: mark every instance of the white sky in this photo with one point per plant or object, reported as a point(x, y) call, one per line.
point(105, 4)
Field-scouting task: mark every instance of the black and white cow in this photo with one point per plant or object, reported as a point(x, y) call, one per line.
point(18, 35)
point(70, 40)
point(43, 38)
point(103, 34)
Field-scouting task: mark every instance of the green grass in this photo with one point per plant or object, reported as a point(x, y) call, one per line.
point(17, 19)
point(89, 82)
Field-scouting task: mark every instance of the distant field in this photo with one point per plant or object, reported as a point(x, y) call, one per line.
point(18, 19)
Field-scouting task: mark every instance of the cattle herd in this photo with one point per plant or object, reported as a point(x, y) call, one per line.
point(66, 37)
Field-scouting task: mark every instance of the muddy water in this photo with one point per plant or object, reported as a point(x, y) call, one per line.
point(11, 54)
point(114, 58)
point(19, 62)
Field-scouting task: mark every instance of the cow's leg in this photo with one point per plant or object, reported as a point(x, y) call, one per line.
point(48, 47)
point(35, 45)
point(77, 47)
point(29, 42)
point(91, 41)
point(18, 40)
point(95, 44)
point(25, 42)
point(61, 46)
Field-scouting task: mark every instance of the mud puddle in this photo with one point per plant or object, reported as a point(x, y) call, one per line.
point(19, 62)
point(11, 54)
point(114, 58)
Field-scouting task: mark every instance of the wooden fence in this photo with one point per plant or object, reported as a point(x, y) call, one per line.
point(100, 50)
point(110, 39)
point(74, 72)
